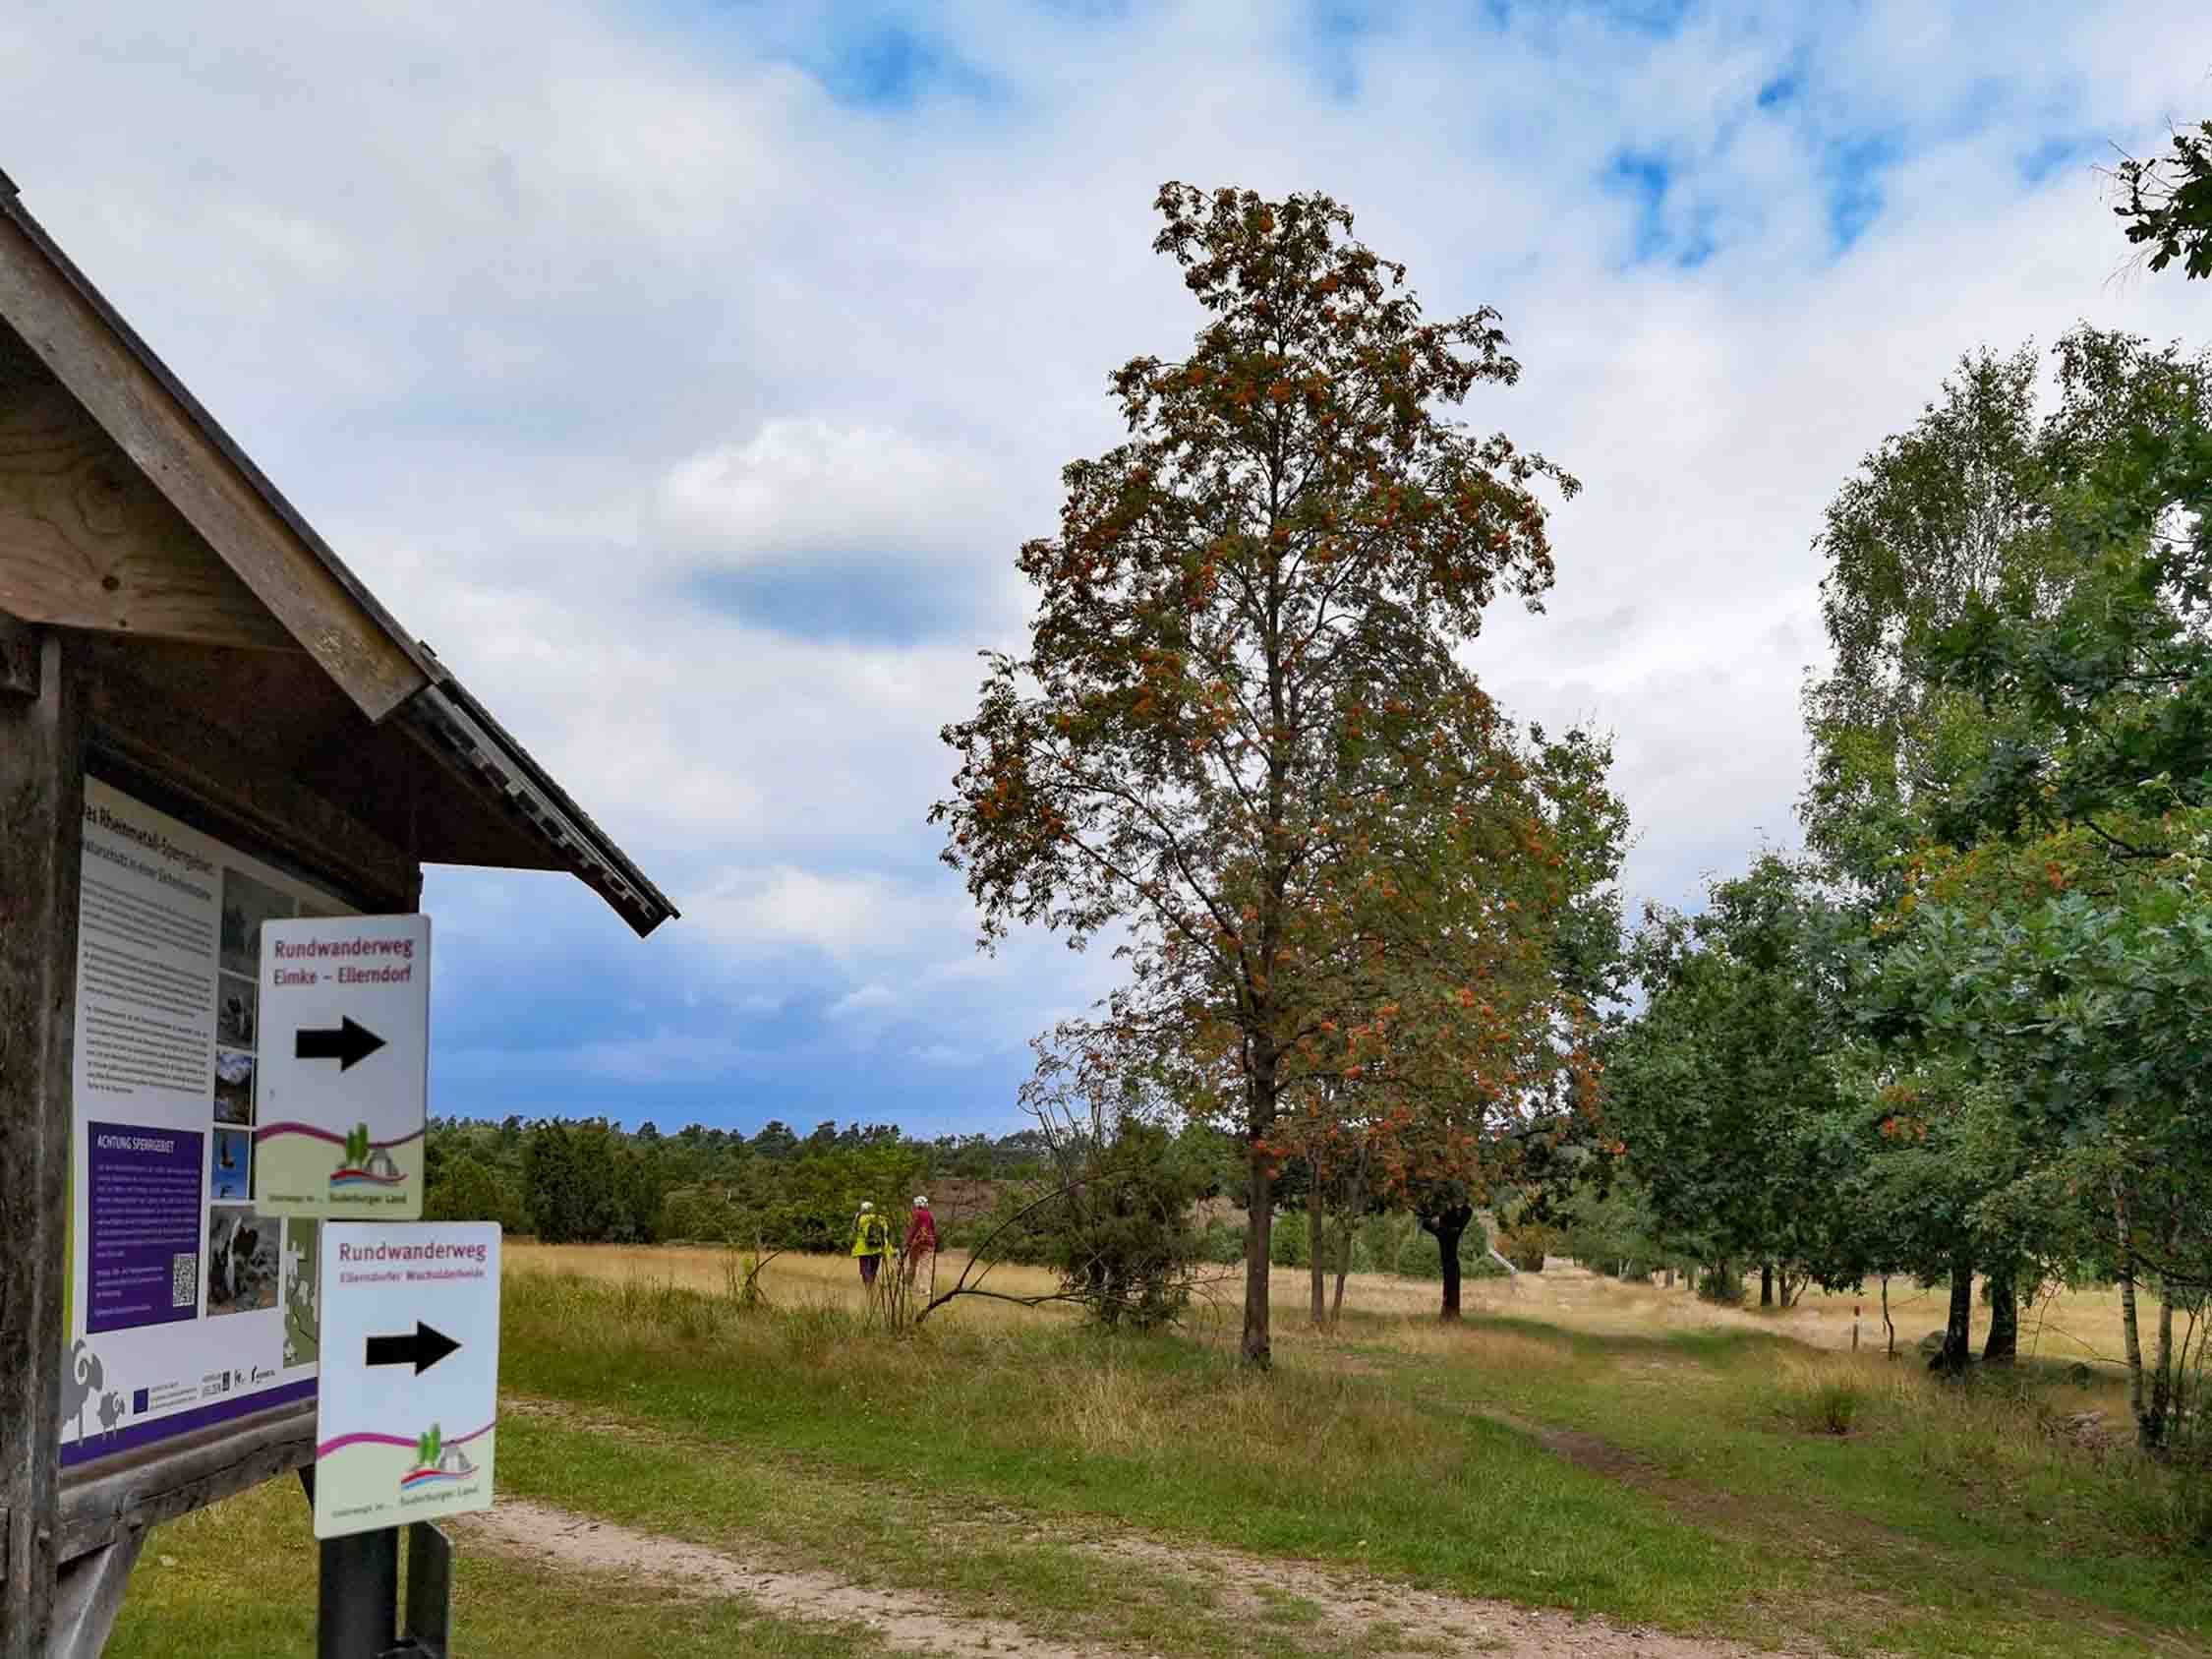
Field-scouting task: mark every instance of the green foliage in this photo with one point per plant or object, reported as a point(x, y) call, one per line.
point(2168, 205)
point(1119, 1232)
point(466, 1189)
point(584, 1183)
point(357, 1146)
point(1722, 1283)
point(2091, 1009)
point(1609, 1230)
point(2114, 673)
point(701, 1184)
point(1722, 1090)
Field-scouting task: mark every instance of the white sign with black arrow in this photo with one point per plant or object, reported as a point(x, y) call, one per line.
point(410, 1373)
point(342, 1066)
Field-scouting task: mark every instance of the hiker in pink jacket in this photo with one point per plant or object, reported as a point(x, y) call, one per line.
point(921, 1240)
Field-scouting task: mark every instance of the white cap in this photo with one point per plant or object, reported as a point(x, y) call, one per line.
point(921, 1204)
point(865, 1208)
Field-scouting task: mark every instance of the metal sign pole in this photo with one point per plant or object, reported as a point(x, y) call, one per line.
point(430, 1589)
point(359, 1600)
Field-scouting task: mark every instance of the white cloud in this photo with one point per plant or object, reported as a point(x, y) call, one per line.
point(871, 998)
point(543, 311)
point(945, 1054)
point(846, 917)
point(805, 490)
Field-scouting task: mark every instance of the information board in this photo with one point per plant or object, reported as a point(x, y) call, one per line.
point(344, 1066)
point(403, 1427)
point(187, 1304)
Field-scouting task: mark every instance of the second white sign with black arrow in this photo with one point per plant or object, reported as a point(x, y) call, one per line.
point(343, 1065)
point(410, 1373)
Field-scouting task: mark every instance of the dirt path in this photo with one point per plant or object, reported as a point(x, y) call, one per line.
point(544, 1533)
point(1357, 1613)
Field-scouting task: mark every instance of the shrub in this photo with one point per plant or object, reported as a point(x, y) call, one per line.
point(1120, 1235)
point(1829, 1406)
point(1221, 1242)
point(465, 1190)
point(1722, 1283)
point(1527, 1244)
point(1288, 1245)
point(583, 1184)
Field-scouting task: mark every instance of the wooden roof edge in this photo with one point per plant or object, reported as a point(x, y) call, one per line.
point(483, 755)
point(211, 429)
point(463, 733)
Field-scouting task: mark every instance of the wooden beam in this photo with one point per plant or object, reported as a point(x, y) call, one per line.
point(87, 542)
point(41, 836)
point(18, 657)
point(191, 757)
point(90, 1595)
point(115, 1496)
point(181, 451)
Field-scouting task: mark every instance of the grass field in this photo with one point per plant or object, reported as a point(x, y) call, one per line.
point(1008, 1477)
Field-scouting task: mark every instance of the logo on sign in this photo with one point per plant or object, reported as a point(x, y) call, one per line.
point(360, 1164)
point(436, 1463)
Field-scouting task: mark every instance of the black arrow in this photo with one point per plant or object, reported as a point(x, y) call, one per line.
point(348, 1044)
point(424, 1349)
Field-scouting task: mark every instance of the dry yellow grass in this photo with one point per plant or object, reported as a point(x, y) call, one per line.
point(788, 1280)
point(2069, 1325)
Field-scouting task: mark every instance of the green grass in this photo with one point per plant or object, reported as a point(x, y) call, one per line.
point(1068, 1426)
point(1091, 1487)
point(237, 1581)
point(1926, 1529)
point(1968, 1492)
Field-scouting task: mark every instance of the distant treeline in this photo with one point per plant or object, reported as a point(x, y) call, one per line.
point(591, 1181)
point(588, 1181)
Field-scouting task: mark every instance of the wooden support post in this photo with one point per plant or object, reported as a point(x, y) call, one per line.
point(42, 831)
point(88, 1596)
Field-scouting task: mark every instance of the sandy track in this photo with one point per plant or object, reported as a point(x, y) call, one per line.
point(541, 1532)
point(1364, 1614)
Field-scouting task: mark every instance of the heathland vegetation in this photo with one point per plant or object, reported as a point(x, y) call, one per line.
point(1382, 1009)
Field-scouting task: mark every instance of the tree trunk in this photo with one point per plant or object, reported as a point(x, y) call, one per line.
point(1959, 1334)
point(1670, 1279)
point(1315, 1217)
point(2004, 1343)
point(1450, 1225)
point(1259, 1228)
point(1766, 1284)
point(2125, 1239)
point(2150, 1433)
point(2151, 1429)
point(1887, 1326)
point(1355, 1204)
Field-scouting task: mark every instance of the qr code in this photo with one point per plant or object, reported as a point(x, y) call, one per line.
point(183, 1281)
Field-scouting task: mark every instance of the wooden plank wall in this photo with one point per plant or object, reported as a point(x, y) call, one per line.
point(41, 817)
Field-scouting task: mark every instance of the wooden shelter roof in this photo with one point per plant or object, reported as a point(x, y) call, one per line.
point(127, 512)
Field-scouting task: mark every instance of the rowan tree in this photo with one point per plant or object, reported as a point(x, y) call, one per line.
point(1240, 662)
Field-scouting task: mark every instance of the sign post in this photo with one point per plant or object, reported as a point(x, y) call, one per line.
point(410, 1373)
point(345, 1066)
point(404, 1421)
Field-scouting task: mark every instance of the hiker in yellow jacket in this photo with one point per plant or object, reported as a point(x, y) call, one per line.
point(871, 1238)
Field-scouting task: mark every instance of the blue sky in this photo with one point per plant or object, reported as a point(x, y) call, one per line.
point(688, 374)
